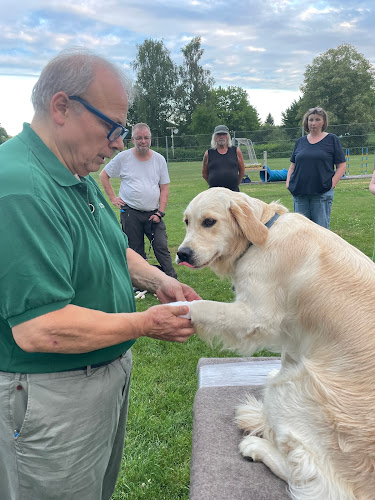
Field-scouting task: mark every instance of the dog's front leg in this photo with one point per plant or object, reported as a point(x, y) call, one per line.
point(232, 324)
point(261, 450)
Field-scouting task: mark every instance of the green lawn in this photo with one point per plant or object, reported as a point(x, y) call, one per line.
point(157, 451)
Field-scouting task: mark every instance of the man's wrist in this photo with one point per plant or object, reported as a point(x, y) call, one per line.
point(160, 213)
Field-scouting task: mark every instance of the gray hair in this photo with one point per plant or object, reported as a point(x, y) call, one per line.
point(72, 71)
point(140, 125)
point(214, 144)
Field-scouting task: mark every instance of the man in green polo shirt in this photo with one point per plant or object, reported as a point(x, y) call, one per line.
point(67, 312)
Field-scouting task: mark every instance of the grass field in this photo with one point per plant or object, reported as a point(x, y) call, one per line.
point(158, 446)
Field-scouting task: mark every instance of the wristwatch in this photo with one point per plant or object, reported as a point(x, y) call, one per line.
point(161, 213)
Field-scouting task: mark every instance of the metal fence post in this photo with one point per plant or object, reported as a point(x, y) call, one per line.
point(166, 150)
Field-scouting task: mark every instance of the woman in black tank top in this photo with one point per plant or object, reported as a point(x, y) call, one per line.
point(223, 164)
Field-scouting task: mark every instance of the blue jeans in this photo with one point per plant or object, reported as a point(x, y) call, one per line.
point(316, 207)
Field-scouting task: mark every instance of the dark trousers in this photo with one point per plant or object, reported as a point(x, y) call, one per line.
point(135, 225)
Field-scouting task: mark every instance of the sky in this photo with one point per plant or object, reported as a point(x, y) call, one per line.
point(263, 46)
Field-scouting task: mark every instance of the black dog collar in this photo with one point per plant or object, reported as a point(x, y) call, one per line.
point(268, 225)
point(272, 220)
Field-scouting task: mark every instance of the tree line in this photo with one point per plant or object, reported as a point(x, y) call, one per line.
point(341, 80)
point(3, 135)
point(168, 96)
point(184, 97)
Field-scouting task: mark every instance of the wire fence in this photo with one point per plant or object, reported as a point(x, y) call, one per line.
point(277, 141)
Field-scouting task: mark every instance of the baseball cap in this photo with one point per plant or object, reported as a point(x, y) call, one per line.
point(221, 129)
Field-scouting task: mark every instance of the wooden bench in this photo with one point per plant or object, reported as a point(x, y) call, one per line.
point(218, 470)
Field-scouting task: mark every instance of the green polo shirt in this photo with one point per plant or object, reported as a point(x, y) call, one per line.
point(60, 244)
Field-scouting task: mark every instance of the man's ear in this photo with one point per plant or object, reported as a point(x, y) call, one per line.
point(254, 230)
point(59, 107)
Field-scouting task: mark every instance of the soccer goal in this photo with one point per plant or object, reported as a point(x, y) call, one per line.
point(248, 152)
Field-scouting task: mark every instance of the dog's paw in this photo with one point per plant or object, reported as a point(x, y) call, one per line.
point(249, 416)
point(251, 447)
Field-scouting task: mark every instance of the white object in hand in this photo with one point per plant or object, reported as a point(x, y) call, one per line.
point(183, 303)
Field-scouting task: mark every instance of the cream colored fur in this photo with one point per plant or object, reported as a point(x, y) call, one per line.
point(303, 291)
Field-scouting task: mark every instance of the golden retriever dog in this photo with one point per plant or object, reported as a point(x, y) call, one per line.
point(304, 292)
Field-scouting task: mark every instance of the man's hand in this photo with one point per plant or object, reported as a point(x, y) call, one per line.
point(117, 202)
point(155, 218)
point(171, 290)
point(163, 323)
point(150, 278)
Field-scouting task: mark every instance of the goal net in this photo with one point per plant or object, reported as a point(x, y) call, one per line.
point(248, 152)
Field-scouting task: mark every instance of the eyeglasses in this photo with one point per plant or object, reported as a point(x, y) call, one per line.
point(117, 129)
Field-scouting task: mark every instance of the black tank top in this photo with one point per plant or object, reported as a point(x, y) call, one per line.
point(223, 169)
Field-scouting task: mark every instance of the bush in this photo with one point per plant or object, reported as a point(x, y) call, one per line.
point(274, 149)
point(182, 154)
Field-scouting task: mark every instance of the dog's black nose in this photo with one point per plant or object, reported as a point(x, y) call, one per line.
point(185, 254)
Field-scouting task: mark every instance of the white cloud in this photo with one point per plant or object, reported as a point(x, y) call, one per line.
point(243, 79)
point(15, 103)
point(311, 12)
point(76, 8)
point(228, 61)
point(255, 49)
point(301, 52)
point(271, 101)
point(222, 32)
point(348, 25)
point(19, 35)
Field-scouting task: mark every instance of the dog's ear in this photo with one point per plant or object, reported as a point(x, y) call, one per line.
point(251, 227)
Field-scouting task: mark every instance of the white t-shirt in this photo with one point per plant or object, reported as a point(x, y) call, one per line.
point(140, 180)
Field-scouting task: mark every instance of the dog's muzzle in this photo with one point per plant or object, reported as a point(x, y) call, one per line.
point(185, 256)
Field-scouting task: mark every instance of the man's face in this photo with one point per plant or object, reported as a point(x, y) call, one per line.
point(221, 138)
point(141, 139)
point(86, 140)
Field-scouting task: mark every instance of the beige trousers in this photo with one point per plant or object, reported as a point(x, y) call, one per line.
point(62, 434)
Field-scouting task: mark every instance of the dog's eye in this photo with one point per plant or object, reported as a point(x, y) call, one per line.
point(186, 222)
point(208, 222)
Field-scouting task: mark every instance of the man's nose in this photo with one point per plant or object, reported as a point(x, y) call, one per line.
point(117, 144)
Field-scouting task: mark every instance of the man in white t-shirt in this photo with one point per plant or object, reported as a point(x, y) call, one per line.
point(143, 195)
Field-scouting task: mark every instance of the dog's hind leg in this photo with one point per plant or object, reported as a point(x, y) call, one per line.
point(262, 450)
point(311, 476)
point(250, 416)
